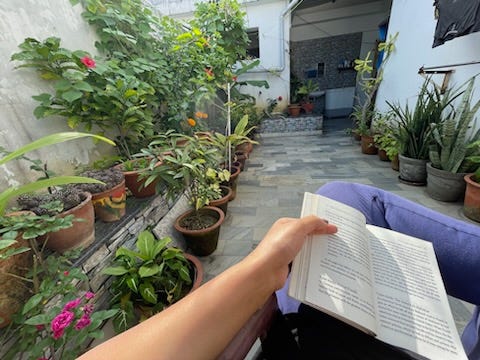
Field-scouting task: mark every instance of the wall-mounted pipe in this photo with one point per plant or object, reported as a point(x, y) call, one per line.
point(291, 6)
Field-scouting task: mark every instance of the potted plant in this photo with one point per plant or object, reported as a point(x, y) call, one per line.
point(385, 139)
point(149, 279)
point(226, 145)
point(454, 144)
point(304, 91)
point(135, 173)
point(108, 196)
point(103, 95)
point(369, 79)
point(59, 318)
point(194, 170)
point(19, 230)
point(70, 203)
point(414, 134)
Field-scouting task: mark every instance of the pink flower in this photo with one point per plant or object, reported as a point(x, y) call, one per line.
point(40, 327)
point(66, 273)
point(280, 98)
point(60, 322)
point(42, 358)
point(234, 78)
point(72, 304)
point(88, 62)
point(88, 309)
point(83, 322)
point(89, 295)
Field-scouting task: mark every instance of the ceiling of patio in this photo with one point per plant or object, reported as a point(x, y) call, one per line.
point(330, 4)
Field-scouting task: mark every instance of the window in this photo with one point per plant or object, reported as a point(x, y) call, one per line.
point(253, 50)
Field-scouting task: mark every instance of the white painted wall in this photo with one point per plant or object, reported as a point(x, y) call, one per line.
point(20, 19)
point(274, 42)
point(414, 22)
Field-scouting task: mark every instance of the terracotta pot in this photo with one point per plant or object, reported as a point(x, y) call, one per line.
point(13, 291)
point(222, 203)
point(232, 183)
point(110, 204)
point(202, 242)
point(395, 163)
point(135, 184)
point(241, 158)
point(471, 203)
point(294, 110)
point(246, 147)
point(80, 234)
point(368, 145)
point(382, 155)
point(308, 107)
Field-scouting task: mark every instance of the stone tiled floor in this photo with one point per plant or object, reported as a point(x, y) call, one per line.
point(282, 168)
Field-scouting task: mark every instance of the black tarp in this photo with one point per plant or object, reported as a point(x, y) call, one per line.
point(456, 18)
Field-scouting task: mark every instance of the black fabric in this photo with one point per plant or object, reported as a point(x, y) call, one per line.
point(456, 18)
point(311, 334)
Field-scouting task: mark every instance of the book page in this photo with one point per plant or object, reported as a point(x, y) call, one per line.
point(336, 268)
point(412, 307)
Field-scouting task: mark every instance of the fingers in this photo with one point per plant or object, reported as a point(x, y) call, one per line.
point(314, 225)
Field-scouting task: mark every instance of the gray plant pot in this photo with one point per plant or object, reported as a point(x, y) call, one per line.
point(443, 185)
point(412, 171)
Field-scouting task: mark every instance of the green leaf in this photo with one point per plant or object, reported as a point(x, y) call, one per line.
point(83, 86)
point(115, 270)
point(72, 95)
point(148, 293)
point(40, 319)
point(50, 140)
point(31, 303)
point(146, 244)
point(6, 243)
point(48, 75)
point(146, 271)
point(62, 85)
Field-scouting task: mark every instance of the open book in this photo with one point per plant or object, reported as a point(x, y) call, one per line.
point(383, 282)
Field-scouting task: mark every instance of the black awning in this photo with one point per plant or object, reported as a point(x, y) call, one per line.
point(456, 18)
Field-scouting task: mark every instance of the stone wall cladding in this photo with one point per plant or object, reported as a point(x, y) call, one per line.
point(306, 55)
point(291, 124)
point(124, 235)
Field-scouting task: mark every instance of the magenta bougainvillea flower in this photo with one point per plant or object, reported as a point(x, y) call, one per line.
point(280, 98)
point(89, 295)
point(88, 309)
point(72, 304)
point(60, 322)
point(88, 62)
point(83, 322)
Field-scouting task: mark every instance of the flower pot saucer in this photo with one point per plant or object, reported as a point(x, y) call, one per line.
point(413, 183)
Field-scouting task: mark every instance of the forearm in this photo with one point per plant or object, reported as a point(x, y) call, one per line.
point(201, 325)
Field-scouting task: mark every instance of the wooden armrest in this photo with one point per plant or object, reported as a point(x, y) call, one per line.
point(256, 327)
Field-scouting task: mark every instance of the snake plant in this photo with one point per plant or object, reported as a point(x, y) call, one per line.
point(415, 125)
point(454, 137)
